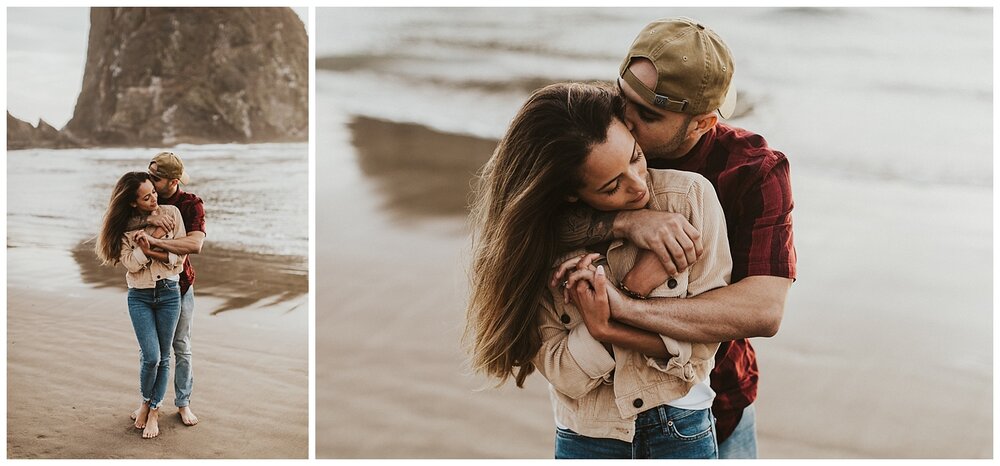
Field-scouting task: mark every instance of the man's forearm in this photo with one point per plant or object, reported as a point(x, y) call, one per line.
point(632, 338)
point(752, 307)
point(190, 244)
point(158, 256)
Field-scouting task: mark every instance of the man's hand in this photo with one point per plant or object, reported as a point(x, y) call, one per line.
point(161, 220)
point(669, 235)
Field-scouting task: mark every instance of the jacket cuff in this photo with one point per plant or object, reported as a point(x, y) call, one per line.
point(680, 364)
point(673, 346)
point(172, 259)
point(685, 371)
point(589, 353)
point(140, 257)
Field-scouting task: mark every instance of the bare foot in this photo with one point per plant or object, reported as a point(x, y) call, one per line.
point(140, 415)
point(187, 416)
point(135, 414)
point(152, 424)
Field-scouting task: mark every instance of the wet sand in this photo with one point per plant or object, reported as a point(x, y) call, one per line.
point(884, 352)
point(72, 367)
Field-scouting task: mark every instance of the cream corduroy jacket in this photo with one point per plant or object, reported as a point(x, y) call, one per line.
point(142, 271)
point(598, 395)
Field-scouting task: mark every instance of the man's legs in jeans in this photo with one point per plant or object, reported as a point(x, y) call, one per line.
point(743, 443)
point(183, 376)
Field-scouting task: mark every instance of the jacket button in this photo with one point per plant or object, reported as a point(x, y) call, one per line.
point(157, 276)
point(564, 318)
point(672, 283)
point(637, 403)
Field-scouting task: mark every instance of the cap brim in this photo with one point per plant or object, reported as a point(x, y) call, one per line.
point(729, 104)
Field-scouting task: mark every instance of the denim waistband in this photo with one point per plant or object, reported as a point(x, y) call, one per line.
point(161, 283)
point(661, 414)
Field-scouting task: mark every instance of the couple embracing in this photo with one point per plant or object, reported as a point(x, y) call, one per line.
point(626, 246)
point(150, 227)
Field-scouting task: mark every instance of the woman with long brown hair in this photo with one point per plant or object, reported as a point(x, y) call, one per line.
point(152, 276)
point(618, 391)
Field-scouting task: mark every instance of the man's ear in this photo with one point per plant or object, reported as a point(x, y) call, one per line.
point(700, 124)
point(706, 122)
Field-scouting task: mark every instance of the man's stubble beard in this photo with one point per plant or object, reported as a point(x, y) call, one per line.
point(668, 149)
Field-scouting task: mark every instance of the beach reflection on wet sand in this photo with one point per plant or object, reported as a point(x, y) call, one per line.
point(419, 171)
point(241, 279)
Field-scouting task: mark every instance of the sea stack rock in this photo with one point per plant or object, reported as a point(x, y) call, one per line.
point(22, 135)
point(165, 76)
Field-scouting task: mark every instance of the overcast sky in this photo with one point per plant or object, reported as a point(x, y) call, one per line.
point(46, 54)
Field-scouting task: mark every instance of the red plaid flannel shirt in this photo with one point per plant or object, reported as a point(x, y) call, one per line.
point(755, 190)
point(193, 212)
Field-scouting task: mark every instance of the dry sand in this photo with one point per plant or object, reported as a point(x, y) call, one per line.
point(72, 365)
point(884, 352)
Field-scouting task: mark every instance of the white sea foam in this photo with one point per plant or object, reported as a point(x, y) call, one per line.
point(255, 195)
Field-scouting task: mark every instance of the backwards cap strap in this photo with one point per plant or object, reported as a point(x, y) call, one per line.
point(651, 97)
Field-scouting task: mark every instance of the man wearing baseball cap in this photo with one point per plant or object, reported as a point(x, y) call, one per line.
point(167, 172)
point(677, 80)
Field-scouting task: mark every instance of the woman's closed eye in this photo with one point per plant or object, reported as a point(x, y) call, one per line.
point(638, 156)
point(618, 185)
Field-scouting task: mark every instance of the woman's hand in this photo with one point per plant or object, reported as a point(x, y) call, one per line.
point(581, 262)
point(647, 274)
point(142, 240)
point(146, 242)
point(589, 294)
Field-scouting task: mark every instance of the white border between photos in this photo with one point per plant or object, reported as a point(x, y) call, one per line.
point(311, 31)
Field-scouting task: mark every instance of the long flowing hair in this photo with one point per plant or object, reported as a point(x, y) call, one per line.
point(116, 219)
point(521, 191)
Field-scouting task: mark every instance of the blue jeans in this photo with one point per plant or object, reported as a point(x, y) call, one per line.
point(742, 444)
point(183, 375)
point(663, 432)
point(154, 314)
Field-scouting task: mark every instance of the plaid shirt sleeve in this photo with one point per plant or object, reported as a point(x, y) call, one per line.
point(764, 243)
point(194, 215)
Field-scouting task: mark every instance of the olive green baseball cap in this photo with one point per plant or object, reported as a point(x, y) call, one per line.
point(694, 67)
point(169, 166)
